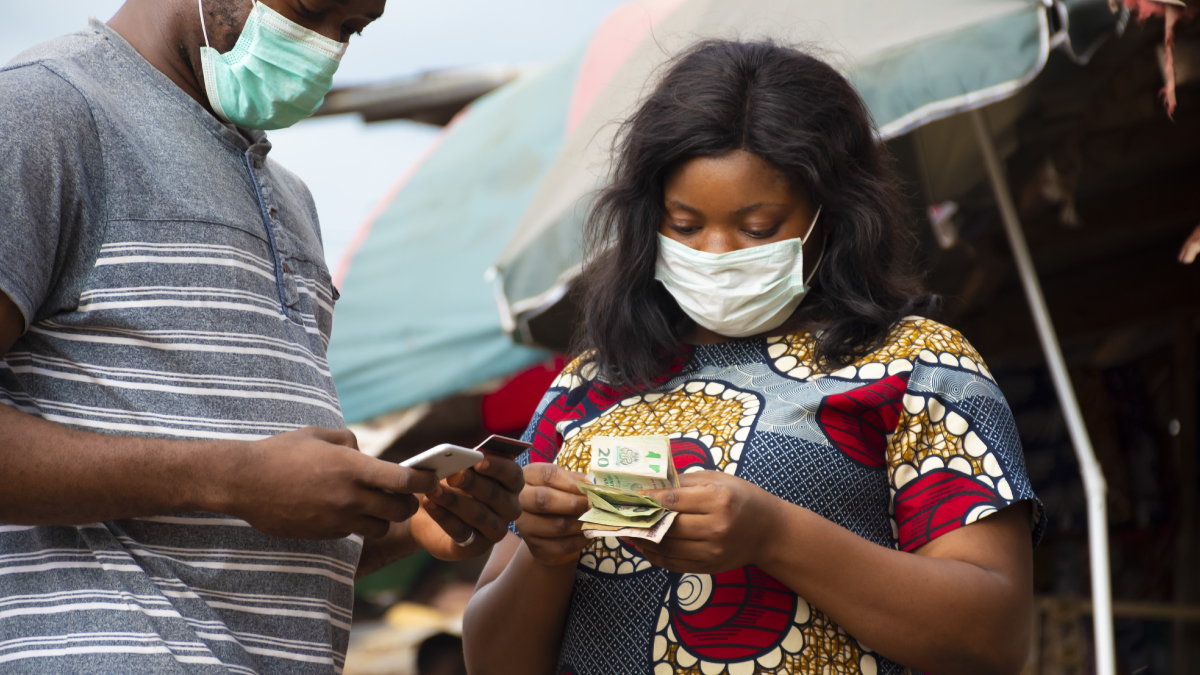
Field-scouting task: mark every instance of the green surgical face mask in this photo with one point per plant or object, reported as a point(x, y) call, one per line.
point(276, 75)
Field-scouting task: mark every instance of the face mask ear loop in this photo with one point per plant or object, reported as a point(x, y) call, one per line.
point(817, 266)
point(821, 257)
point(804, 239)
point(203, 28)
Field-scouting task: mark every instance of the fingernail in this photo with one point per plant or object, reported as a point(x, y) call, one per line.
point(437, 491)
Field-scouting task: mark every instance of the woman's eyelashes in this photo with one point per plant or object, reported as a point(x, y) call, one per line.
point(685, 229)
point(762, 232)
point(751, 232)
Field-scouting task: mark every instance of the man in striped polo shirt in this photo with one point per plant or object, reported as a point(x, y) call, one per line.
point(179, 492)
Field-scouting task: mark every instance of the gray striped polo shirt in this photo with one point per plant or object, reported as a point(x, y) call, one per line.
point(174, 285)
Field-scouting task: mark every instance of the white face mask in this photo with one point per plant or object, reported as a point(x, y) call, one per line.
point(739, 293)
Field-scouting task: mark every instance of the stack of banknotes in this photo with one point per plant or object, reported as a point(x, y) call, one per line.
point(621, 466)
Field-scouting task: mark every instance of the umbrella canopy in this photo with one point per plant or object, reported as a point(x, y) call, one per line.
point(416, 322)
point(508, 180)
point(913, 62)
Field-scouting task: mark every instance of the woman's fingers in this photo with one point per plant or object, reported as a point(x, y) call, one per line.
point(695, 527)
point(551, 506)
point(548, 500)
point(548, 527)
point(552, 475)
point(696, 499)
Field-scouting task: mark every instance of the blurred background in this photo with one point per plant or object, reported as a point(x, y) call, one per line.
point(452, 165)
point(349, 165)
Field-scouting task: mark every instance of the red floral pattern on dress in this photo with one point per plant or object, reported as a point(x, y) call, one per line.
point(936, 503)
point(745, 614)
point(859, 421)
point(895, 422)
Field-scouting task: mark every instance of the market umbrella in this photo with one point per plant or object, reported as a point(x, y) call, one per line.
point(510, 181)
point(416, 322)
point(913, 63)
point(507, 181)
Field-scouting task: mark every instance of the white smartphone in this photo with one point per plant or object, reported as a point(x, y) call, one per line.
point(444, 460)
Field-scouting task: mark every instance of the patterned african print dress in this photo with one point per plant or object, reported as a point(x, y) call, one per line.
point(904, 445)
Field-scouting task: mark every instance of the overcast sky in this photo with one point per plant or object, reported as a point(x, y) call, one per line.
point(349, 165)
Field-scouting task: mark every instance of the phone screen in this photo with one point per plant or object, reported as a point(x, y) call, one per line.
point(503, 446)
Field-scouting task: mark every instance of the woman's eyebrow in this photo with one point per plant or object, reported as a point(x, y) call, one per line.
point(685, 207)
point(754, 207)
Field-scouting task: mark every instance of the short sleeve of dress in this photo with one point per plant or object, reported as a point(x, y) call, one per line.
point(558, 405)
point(955, 456)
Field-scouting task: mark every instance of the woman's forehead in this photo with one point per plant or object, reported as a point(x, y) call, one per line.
point(738, 176)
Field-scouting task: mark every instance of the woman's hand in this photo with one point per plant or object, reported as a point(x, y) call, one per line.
point(724, 523)
point(550, 510)
point(480, 502)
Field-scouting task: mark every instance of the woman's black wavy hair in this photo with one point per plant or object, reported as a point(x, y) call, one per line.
point(802, 117)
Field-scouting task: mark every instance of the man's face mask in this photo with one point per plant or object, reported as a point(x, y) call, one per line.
point(276, 75)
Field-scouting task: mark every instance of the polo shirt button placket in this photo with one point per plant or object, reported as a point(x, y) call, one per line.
point(261, 193)
point(287, 269)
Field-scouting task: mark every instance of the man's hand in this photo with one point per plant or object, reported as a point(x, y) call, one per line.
point(313, 483)
point(550, 510)
point(480, 501)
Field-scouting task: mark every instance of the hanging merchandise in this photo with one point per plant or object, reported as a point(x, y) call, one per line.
point(1171, 11)
point(1191, 248)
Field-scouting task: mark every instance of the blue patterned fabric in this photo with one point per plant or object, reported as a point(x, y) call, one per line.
point(905, 445)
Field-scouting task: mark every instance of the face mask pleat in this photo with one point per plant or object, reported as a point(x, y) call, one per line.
point(276, 75)
point(738, 293)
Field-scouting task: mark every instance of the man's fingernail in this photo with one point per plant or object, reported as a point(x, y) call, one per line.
point(437, 491)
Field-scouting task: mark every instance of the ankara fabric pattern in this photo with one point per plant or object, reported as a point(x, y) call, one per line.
point(906, 444)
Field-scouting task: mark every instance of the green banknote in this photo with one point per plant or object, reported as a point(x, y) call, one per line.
point(599, 517)
point(614, 497)
point(621, 466)
point(605, 499)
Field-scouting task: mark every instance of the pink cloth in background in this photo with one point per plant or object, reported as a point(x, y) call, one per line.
point(612, 43)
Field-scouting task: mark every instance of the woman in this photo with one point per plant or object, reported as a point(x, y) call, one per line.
point(853, 497)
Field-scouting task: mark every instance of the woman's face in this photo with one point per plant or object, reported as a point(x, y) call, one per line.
point(735, 201)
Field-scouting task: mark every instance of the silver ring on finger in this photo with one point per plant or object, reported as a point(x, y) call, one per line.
point(469, 540)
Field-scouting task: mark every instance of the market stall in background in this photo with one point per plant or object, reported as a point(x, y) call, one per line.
point(1051, 151)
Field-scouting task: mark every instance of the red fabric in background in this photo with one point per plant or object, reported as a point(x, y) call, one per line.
point(508, 410)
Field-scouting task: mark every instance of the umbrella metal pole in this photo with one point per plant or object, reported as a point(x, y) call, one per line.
point(1093, 478)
